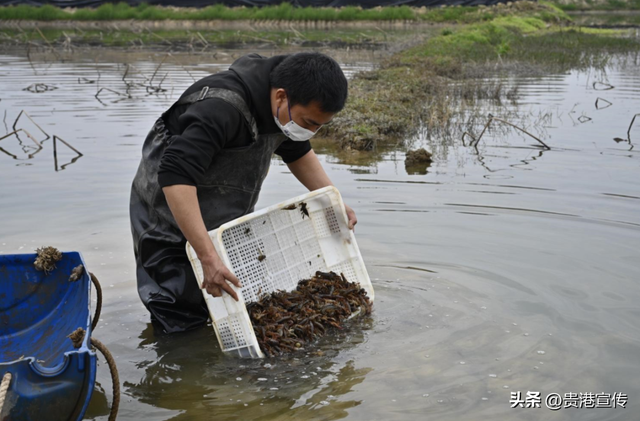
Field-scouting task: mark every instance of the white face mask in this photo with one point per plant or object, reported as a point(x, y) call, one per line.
point(291, 129)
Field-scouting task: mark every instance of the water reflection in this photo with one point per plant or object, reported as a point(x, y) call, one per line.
point(474, 262)
point(98, 405)
point(417, 168)
point(188, 373)
point(29, 150)
point(77, 156)
point(32, 150)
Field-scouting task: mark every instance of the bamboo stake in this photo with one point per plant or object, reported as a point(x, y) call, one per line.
point(492, 118)
point(32, 120)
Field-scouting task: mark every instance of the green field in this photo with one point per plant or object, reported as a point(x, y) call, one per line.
point(282, 12)
point(123, 11)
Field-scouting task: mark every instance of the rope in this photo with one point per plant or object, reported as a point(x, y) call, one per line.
point(96, 315)
point(6, 380)
point(77, 336)
point(115, 378)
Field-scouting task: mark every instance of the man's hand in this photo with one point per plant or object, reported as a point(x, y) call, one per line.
point(216, 276)
point(310, 173)
point(183, 202)
point(351, 216)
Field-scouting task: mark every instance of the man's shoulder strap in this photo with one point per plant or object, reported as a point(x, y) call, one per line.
point(229, 96)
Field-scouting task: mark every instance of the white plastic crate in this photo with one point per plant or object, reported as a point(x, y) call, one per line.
point(294, 247)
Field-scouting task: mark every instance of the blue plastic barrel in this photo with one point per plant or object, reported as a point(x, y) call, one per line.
point(50, 379)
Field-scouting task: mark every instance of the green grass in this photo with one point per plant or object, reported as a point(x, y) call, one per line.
point(543, 10)
point(524, 39)
point(608, 19)
point(418, 81)
point(477, 41)
point(284, 11)
point(586, 5)
point(182, 38)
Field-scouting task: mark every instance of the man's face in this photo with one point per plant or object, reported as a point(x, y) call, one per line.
point(309, 116)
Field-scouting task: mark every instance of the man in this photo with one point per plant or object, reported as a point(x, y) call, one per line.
point(203, 164)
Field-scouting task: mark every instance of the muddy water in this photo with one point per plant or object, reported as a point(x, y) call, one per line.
point(513, 269)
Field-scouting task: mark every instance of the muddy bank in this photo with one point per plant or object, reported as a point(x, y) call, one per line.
point(607, 19)
point(277, 14)
point(197, 29)
point(438, 84)
point(593, 5)
point(136, 35)
point(216, 24)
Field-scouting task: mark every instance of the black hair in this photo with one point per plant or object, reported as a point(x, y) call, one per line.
point(308, 77)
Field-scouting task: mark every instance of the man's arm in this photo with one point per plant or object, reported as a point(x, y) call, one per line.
point(310, 173)
point(182, 168)
point(183, 202)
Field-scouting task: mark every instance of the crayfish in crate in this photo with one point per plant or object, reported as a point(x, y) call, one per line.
point(289, 321)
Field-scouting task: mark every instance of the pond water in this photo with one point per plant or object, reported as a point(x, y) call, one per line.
point(511, 269)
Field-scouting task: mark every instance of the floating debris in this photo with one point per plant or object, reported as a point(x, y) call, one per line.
point(39, 88)
point(475, 141)
point(633, 120)
point(15, 124)
point(120, 94)
point(416, 162)
point(602, 107)
point(25, 148)
point(419, 156)
point(619, 139)
point(601, 86)
point(47, 258)
point(288, 321)
point(55, 153)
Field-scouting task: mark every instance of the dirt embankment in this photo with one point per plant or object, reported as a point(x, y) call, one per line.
point(445, 84)
point(209, 25)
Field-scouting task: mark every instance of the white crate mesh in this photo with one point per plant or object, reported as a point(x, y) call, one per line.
point(346, 268)
point(273, 253)
point(325, 222)
point(273, 249)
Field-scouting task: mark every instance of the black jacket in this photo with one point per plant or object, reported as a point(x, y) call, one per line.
point(203, 128)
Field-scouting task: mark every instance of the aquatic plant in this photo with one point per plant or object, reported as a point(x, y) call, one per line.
point(180, 39)
point(284, 11)
point(438, 83)
point(543, 10)
point(419, 156)
point(280, 12)
point(582, 5)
